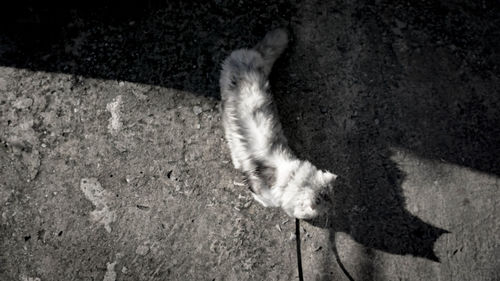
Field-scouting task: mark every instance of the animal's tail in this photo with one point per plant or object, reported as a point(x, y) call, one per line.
point(271, 47)
point(258, 60)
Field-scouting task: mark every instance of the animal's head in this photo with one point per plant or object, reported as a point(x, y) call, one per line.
point(305, 194)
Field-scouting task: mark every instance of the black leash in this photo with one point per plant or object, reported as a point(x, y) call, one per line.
point(339, 262)
point(299, 255)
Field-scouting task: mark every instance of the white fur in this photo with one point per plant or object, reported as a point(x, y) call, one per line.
point(255, 136)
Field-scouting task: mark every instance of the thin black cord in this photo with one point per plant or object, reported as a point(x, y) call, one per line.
point(339, 262)
point(299, 255)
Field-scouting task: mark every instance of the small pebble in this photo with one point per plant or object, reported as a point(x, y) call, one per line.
point(128, 178)
point(206, 107)
point(197, 110)
point(292, 236)
point(238, 183)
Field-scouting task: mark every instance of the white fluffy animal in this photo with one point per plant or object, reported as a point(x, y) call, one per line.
point(258, 146)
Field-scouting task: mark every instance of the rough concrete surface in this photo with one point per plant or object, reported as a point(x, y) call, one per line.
point(113, 164)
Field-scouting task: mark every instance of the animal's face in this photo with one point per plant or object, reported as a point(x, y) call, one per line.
point(305, 198)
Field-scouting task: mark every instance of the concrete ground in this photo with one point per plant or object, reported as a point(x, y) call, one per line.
point(113, 164)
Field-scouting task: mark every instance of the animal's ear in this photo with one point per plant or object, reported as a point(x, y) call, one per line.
point(328, 177)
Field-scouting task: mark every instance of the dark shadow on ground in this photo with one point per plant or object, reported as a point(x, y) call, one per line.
point(176, 44)
point(180, 45)
point(437, 99)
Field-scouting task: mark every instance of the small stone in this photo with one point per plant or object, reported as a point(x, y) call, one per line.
point(323, 109)
point(121, 84)
point(124, 270)
point(292, 236)
point(198, 126)
point(206, 107)
point(238, 183)
point(129, 178)
point(197, 110)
